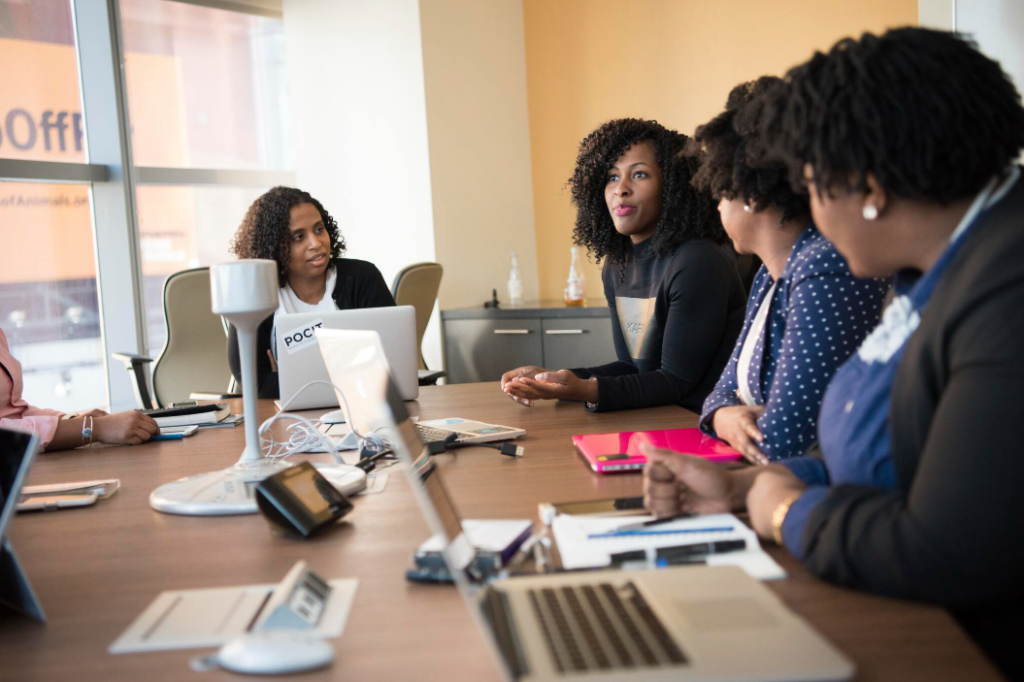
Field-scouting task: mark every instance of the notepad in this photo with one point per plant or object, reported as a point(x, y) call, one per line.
point(579, 550)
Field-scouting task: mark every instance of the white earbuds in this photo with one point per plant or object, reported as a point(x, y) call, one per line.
point(746, 207)
point(870, 212)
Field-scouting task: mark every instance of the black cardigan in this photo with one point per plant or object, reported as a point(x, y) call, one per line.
point(675, 319)
point(952, 534)
point(359, 285)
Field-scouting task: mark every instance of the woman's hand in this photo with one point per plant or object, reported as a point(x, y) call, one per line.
point(737, 426)
point(273, 362)
point(529, 371)
point(771, 487)
point(548, 385)
point(93, 414)
point(127, 428)
point(685, 484)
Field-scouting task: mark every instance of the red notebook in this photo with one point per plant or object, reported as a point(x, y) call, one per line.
point(616, 452)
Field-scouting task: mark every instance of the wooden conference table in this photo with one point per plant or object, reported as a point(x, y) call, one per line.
point(95, 569)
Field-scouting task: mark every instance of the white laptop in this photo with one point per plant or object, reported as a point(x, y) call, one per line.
point(356, 360)
point(683, 623)
point(299, 360)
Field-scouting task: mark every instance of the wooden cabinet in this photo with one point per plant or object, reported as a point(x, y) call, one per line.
point(482, 344)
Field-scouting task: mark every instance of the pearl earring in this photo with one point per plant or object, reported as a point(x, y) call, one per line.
point(870, 212)
point(746, 207)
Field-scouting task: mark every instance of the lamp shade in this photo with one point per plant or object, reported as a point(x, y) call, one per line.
point(244, 287)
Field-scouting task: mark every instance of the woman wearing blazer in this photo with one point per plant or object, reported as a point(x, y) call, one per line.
point(907, 144)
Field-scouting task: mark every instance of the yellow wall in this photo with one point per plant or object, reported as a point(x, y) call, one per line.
point(588, 61)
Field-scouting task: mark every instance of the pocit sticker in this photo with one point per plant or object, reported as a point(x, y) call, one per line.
point(301, 337)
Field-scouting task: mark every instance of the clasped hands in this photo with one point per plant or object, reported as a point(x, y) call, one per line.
point(528, 384)
point(684, 484)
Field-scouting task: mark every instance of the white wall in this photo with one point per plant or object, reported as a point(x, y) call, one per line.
point(474, 59)
point(356, 79)
point(998, 27)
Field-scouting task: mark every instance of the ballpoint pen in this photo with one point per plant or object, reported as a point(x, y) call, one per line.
point(654, 522)
point(671, 531)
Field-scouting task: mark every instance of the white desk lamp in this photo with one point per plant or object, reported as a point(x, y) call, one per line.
point(245, 293)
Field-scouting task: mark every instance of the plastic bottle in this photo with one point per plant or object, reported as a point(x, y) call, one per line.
point(515, 285)
point(576, 285)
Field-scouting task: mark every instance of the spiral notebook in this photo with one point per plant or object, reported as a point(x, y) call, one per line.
point(583, 542)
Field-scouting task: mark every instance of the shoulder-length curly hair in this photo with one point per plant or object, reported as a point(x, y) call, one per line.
point(734, 162)
point(264, 229)
point(687, 213)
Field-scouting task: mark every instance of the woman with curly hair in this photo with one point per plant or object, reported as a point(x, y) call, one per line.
point(802, 295)
point(908, 145)
point(674, 291)
point(290, 227)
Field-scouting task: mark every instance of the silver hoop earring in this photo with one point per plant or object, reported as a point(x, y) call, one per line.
point(870, 212)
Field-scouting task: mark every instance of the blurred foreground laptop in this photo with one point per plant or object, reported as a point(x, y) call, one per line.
point(686, 623)
point(17, 450)
point(299, 360)
point(357, 360)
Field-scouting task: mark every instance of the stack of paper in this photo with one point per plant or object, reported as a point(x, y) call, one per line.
point(589, 541)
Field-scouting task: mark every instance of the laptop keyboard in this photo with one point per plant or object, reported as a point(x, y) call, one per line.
point(428, 434)
point(600, 627)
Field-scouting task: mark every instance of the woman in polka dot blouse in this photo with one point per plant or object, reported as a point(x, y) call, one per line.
point(806, 313)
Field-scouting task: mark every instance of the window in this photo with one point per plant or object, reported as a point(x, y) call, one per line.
point(207, 89)
point(49, 307)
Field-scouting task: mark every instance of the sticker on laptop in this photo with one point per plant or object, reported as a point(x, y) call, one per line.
point(489, 430)
point(301, 337)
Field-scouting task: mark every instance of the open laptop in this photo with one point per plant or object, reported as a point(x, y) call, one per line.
point(685, 623)
point(17, 449)
point(299, 360)
point(356, 362)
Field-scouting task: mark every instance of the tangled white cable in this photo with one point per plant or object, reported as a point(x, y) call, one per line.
point(304, 434)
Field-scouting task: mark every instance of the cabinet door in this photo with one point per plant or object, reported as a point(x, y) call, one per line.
point(578, 342)
point(483, 350)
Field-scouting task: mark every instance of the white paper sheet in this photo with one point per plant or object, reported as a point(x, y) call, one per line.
point(578, 550)
point(193, 619)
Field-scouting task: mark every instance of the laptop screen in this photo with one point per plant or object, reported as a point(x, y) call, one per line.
point(17, 449)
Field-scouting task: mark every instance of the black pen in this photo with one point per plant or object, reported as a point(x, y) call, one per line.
point(654, 522)
point(681, 553)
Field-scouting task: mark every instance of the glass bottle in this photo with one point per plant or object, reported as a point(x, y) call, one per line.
point(515, 285)
point(576, 285)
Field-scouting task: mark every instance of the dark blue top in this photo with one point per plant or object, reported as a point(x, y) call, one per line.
point(818, 316)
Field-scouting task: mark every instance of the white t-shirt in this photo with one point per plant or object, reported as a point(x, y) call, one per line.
point(289, 302)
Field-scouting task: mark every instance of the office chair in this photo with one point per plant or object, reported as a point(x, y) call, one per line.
point(417, 285)
point(194, 358)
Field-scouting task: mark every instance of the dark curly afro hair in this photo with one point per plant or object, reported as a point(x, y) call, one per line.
point(264, 229)
point(923, 111)
point(687, 213)
point(733, 156)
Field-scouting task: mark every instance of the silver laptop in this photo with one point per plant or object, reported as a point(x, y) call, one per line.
point(684, 623)
point(299, 360)
point(356, 361)
point(17, 450)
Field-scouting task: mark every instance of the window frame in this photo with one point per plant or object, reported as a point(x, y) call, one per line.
point(113, 179)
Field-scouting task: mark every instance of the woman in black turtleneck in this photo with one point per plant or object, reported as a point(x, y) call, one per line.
point(673, 287)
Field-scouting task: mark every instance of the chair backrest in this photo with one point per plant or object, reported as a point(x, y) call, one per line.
point(417, 285)
point(195, 356)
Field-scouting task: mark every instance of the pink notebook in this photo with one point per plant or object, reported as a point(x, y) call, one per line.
point(615, 452)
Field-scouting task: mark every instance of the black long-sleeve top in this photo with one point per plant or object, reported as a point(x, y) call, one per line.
point(952, 533)
point(675, 319)
point(359, 284)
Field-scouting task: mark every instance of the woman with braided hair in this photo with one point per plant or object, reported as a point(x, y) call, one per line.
point(672, 284)
point(290, 227)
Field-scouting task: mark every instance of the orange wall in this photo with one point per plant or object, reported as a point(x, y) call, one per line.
point(588, 61)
